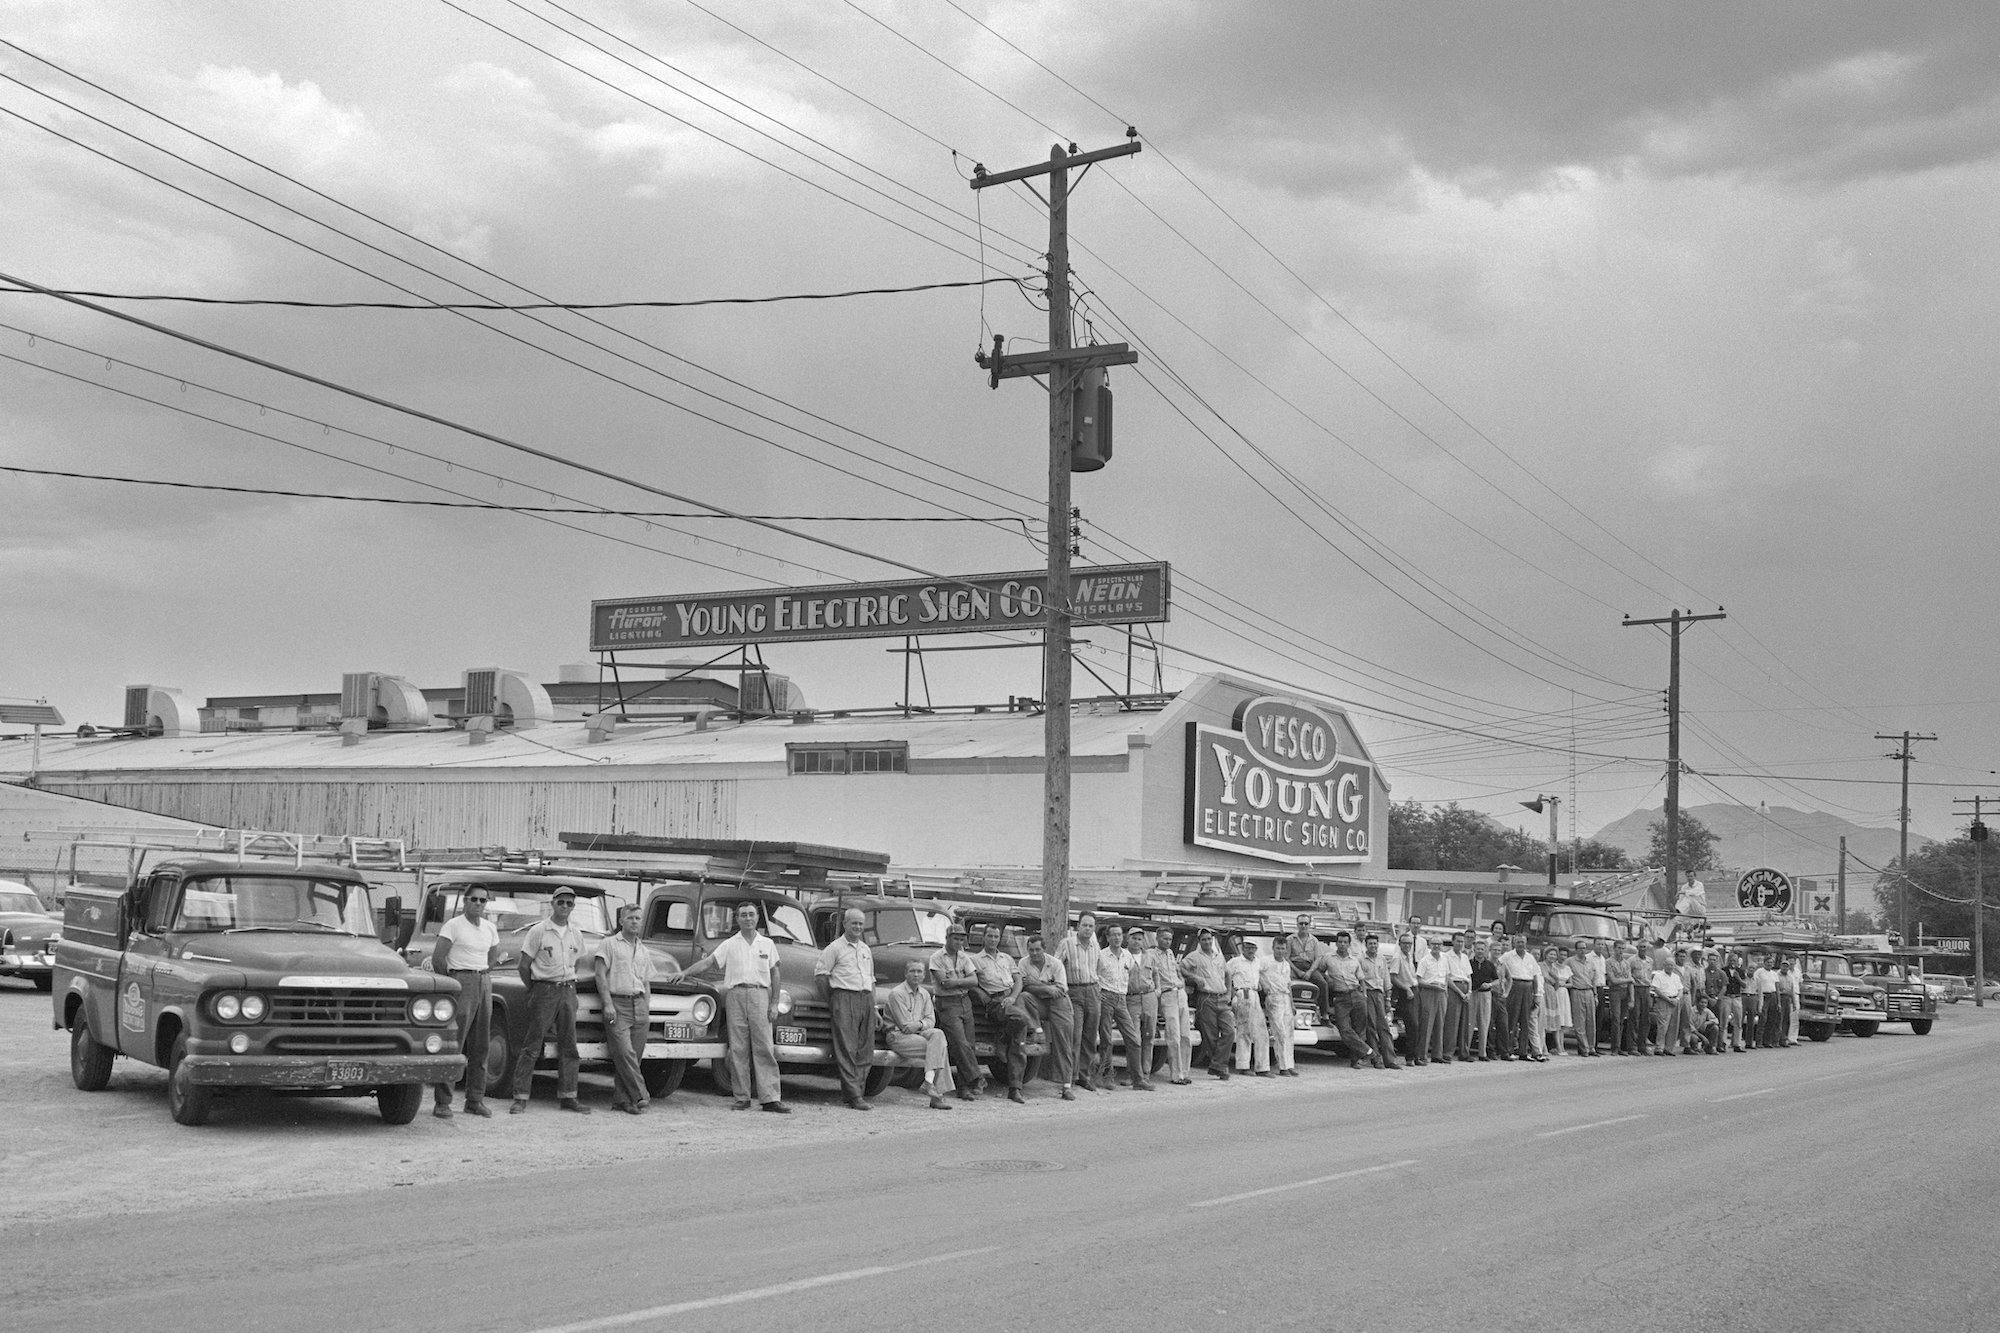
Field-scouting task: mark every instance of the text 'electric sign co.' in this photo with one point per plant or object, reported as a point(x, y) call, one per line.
point(1277, 786)
point(1099, 595)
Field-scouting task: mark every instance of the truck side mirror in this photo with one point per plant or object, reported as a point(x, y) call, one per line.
point(390, 923)
point(406, 924)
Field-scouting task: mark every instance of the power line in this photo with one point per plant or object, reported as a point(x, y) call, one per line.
point(297, 304)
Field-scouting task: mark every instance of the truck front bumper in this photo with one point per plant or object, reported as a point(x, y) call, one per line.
point(14, 963)
point(292, 1071)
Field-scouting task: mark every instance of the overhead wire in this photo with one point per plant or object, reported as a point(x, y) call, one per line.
point(295, 303)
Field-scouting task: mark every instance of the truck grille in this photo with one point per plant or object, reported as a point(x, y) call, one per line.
point(812, 1016)
point(331, 1008)
point(336, 1043)
point(1905, 1004)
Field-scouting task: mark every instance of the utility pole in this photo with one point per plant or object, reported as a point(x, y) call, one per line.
point(1554, 846)
point(1675, 623)
point(1977, 833)
point(1904, 753)
point(1840, 891)
point(1063, 364)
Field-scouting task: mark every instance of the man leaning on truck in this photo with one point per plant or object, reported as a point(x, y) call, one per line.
point(845, 974)
point(624, 968)
point(466, 947)
point(751, 975)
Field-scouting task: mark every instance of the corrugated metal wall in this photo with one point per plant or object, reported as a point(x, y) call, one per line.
point(437, 813)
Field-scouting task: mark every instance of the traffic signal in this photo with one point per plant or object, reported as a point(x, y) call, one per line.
point(1978, 831)
point(1090, 421)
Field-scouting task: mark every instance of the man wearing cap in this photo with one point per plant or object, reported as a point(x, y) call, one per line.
point(1045, 987)
point(466, 947)
point(845, 976)
point(1078, 955)
point(752, 980)
point(1253, 1039)
point(953, 979)
point(1338, 976)
point(1171, 1005)
point(548, 968)
point(1207, 982)
point(1303, 951)
point(624, 968)
point(999, 993)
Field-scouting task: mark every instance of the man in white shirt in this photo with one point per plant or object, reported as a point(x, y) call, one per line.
point(1668, 989)
point(845, 975)
point(953, 979)
point(1253, 1040)
point(1586, 976)
point(549, 956)
point(624, 968)
point(1520, 977)
point(913, 1030)
point(1045, 989)
point(752, 974)
point(1121, 1017)
point(467, 946)
point(1173, 1011)
point(1428, 1044)
point(1458, 999)
point(1078, 952)
point(999, 994)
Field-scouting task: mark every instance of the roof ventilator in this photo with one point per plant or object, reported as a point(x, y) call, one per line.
point(159, 710)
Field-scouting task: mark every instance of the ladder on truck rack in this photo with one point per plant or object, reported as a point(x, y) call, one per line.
point(241, 845)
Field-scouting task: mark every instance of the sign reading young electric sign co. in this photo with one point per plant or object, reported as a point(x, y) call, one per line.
point(1277, 786)
point(1099, 595)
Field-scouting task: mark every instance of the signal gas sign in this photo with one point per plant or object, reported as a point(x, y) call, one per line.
point(1770, 890)
point(1277, 786)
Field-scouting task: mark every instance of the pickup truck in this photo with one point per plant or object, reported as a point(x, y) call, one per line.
point(249, 974)
point(1905, 997)
point(685, 1019)
point(1832, 996)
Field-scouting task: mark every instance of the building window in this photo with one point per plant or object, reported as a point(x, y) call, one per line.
point(849, 758)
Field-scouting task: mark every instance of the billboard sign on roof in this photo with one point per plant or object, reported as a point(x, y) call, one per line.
point(975, 603)
point(1277, 786)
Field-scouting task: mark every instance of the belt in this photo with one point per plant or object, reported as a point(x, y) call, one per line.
point(1083, 985)
point(749, 985)
point(627, 995)
point(543, 981)
point(468, 971)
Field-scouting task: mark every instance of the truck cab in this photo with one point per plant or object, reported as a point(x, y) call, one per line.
point(1906, 998)
point(1833, 996)
point(1563, 921)
point(249, 973)
point(685, 1019)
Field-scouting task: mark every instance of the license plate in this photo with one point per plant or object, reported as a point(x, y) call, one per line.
point(790, 1036)
point(346, 1072)
point(679, 1032)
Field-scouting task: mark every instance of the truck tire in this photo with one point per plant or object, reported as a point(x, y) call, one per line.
point(662, 1076)
point(1817, 1031)
point(399, 1102)
point(718, 1074)
point(89, 1063)
point(1864, 1027)
point(1921, 1026)
point(910, 1079)
point(188, 1102)
point(499, 1055)
point(877, 1081)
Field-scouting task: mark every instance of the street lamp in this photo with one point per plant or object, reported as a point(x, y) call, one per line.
point(1536, 805)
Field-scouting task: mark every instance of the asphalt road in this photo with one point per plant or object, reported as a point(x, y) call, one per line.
point(1852, 1185)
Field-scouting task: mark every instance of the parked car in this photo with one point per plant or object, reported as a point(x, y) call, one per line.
point(28, 935)
point(1948, 989)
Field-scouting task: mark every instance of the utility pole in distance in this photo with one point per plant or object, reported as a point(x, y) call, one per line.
point(1904, 753)
point(1063, 364)
point(1978, 833)
point(1674, 623)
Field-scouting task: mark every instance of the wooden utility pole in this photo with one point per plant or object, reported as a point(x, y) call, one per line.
point(1978, 834)
point(1904, 753)
point(1840, 891)
point(1675, 623)
point(1062, 363)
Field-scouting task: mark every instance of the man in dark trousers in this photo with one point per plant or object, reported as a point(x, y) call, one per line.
point(1208, 985)
point(845, 975)
point(953, 979)
point(549, 957)
point(1520, 974)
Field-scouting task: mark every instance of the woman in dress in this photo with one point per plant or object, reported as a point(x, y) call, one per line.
point(1555, 996)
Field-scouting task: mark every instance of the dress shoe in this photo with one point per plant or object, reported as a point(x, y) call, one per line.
point(775, 1108)
point(442, 1112)
point(1067, 1095)
point(631, 1109)
point(1136, 1087)
point(480, 1109)
point(856, 1104)
point(963, 1095)
point(1014, 1095)
point(1182, 1082)
point(572, 1104)
point(520, 1105)
point(1356, 1064)
point(740, 1104)
point(1265, 1073)
point(939, 1104)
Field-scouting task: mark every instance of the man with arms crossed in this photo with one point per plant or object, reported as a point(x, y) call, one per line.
point(624, 968)
point(549, 957)
point(1171, 1006)
point(1078, 955)
point(1208, 986)
point(467, 946)
point(1520, 974)
point(845, 976)
point(1045, 987)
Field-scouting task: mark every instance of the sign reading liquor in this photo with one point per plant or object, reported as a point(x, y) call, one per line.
point(1276, 786)
point(1099, 595)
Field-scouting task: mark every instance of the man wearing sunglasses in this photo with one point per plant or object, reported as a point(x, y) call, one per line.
point(467, 946)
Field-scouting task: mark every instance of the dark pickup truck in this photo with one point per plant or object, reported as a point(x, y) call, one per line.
point(249, 974)
point(685, 1021)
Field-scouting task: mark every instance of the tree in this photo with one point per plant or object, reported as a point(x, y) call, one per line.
point(1594, 855)
point(1697, 845)
point(1451, 837)
point(1940, 888)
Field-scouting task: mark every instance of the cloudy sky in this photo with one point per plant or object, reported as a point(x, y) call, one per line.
point(1467, 330)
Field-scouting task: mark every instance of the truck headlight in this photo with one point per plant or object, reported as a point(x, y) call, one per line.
point(433, 1044)
point(703, 1012)
point(240, 1043)
point(227, 1007)
point(254, 1008)
point(784, 1001)
point(420, 1009)
point(442, 1009)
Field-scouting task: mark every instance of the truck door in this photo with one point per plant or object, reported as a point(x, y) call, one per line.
point(670, 922)
point(138, 986)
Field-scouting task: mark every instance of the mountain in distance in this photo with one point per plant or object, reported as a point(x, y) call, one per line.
point(1798, 842)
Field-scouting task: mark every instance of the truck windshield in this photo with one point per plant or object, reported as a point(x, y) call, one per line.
point(910, 925)
point(273, 902)
point(510, 909)
point(1832, 967)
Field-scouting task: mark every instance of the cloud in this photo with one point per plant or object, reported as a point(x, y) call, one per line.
point(296, 120)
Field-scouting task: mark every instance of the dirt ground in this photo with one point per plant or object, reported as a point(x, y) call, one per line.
point(70, 1154)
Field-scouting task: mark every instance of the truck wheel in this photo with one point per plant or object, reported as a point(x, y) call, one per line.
point(1864, 1027)
point(662, 1076)
point(399, 1102)
point(1921, 1026)
point(188, 1102)
point(909, 1079)
point(718, 1074)
point(877, 1081)
point(499, 1058)
point(89, 1063)
point(1818, 1031)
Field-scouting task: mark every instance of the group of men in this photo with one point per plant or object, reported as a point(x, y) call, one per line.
point(1464, 999)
